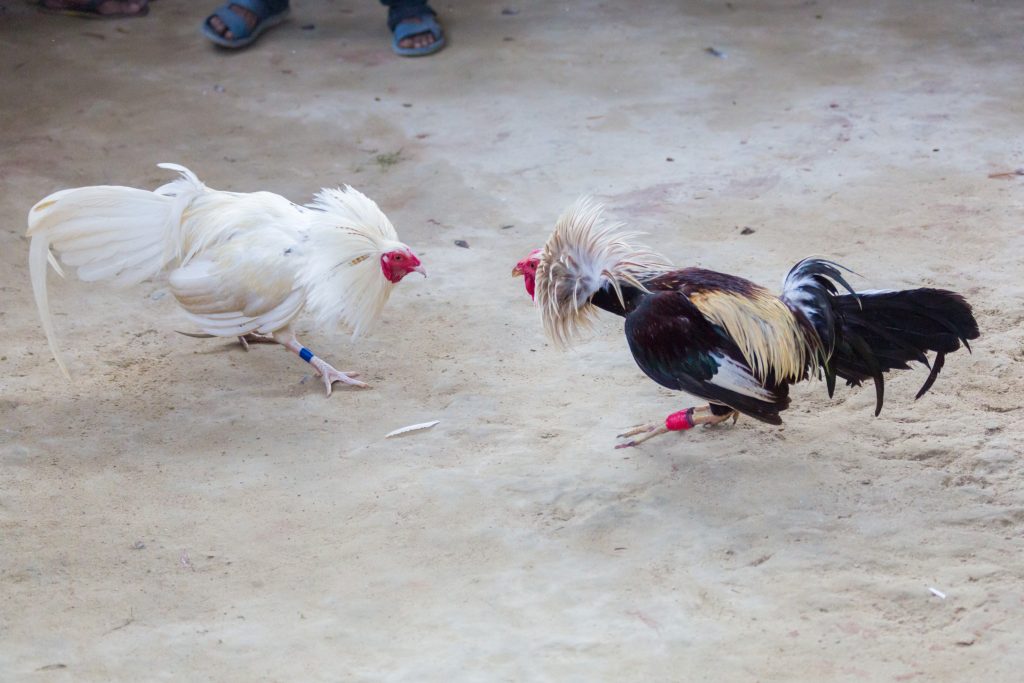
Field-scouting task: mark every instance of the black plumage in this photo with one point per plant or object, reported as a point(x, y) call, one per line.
point(855, 336)
point(726, 339)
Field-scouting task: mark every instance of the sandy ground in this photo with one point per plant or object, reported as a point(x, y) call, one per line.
point(186, 511)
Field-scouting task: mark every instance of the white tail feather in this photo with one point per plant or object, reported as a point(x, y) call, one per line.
point(38, 254)
point(121, 234)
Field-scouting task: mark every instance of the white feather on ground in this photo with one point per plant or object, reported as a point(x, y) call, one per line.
point(411, 428)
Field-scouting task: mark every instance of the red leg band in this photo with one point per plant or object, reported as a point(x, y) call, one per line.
point(680, 421)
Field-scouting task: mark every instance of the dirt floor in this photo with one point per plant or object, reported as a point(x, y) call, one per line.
point(186, 511)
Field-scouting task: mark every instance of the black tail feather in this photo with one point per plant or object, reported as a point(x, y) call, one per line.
point(864, 355)
point(940, 360)
point(882, 331)
point(810, 287)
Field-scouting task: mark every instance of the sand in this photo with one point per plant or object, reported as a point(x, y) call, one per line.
point(187, 511)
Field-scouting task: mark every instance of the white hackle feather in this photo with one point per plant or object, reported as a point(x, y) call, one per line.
point(348, 234)
point(585, 253)
point(238, 262)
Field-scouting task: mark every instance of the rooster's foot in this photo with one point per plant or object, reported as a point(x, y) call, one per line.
point(252, 338)
point(676, 422)
point(330, 376)
point(647, 431)
point(324, 369)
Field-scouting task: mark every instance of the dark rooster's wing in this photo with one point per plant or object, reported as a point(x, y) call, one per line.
point(677, 347)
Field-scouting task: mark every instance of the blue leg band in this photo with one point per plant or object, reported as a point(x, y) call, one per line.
point(305, 354)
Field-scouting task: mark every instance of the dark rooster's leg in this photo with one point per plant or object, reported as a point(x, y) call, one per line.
point(322, 367)
point(676, 422)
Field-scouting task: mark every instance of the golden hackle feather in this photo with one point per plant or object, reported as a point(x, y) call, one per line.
point(765, 330)
point(585, 253)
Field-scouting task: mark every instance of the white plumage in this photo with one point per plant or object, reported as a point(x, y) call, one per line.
point(238, 263)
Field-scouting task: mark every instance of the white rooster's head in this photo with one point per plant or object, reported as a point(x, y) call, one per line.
point(356, 260)
point(398, 263)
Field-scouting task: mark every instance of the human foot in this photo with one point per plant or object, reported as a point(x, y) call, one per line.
point(416, 34)
point(417, 40)
point(238, 23)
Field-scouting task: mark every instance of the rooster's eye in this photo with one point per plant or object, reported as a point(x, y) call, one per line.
point(398, 257)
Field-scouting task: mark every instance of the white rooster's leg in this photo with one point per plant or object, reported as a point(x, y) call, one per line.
point(253, 338)
point(322, 367)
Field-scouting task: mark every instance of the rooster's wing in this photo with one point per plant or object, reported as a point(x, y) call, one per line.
point(677, 347)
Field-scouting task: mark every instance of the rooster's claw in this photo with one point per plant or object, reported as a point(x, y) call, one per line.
point(330, 376)
point(648, 431)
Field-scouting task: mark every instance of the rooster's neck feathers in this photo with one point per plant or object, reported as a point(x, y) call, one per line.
point(347, 235)
point(584, 254)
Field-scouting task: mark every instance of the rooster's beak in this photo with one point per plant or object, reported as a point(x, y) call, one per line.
point(420, 269)
point(517, 271)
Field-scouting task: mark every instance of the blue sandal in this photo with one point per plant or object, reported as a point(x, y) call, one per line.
point(409, 27)
point(238, 27)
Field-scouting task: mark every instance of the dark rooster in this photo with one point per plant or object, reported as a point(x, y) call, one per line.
point(726, 339)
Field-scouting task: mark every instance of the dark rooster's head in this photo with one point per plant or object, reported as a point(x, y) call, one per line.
point(528, 269)
point(584, 254)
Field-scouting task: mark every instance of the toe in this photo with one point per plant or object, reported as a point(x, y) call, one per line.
point(220, 27)
point(417, 40)
point(637, 429)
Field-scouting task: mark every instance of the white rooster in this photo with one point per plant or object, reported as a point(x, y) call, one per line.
point(240, 264)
